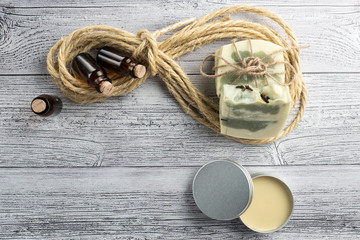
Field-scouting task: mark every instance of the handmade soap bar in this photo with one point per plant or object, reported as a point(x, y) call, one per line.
point(252, 107)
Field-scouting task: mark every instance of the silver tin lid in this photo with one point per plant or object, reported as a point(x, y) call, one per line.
point(222, 189)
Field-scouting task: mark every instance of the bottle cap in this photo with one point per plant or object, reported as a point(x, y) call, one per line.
point(139, 70)
point(106, 87)
point(38, 105)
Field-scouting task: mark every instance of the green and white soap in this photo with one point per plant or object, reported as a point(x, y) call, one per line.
point(248, 109)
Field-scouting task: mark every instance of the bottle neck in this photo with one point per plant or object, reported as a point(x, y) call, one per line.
point(98, 82)
point(99, 79)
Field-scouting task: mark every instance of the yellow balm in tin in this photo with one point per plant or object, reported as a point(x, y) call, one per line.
point(271, 206)
point(224, 190)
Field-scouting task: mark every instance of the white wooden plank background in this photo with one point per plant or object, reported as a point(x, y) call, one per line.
point(97, 203)
point(64, 178)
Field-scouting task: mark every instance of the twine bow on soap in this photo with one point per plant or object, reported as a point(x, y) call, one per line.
point(159, 58)
point(252, 66)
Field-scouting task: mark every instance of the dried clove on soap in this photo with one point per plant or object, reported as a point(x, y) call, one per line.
point(264, 97)
point(248, 88)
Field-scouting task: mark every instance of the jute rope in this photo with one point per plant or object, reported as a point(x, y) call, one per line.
point(159, 59)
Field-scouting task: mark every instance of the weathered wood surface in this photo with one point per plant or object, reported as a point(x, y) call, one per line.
point(149, 203)
point(150, 150)
point(29, 31)
point(147, 127)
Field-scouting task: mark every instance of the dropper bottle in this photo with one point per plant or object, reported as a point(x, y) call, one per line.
point(113, 59)
point(46, 105)
point(89, 70)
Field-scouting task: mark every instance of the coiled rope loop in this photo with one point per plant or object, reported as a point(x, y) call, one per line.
point(159, 57)
point(149, 46)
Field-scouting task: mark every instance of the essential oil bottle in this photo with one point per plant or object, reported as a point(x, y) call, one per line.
point(89, 70)
point(113, 59)
point(46, 105)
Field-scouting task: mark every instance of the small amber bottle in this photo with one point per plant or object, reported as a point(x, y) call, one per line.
point(95, 76)
point(113, 59)
point(46, 105)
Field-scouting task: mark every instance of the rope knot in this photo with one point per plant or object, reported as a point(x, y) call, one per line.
point(147, 51)
point(253, 66)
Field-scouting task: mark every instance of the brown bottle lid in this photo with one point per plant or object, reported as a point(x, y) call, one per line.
point(106, 88)
point(38, 105)
point(139, 71)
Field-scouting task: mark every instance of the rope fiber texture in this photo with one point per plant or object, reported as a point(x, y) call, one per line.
point(159, 58)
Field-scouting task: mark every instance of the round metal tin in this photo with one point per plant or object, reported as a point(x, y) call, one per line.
point(222, 189)
point(292, 200)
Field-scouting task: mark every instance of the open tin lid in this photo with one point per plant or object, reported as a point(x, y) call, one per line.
point(222, 189)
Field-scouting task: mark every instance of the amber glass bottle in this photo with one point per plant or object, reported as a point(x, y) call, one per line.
point(46, 105)
point(90, 71)
point(113, 59)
